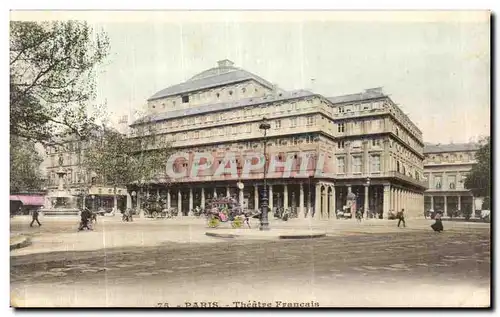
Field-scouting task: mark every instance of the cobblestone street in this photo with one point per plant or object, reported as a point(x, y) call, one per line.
point(401, 267)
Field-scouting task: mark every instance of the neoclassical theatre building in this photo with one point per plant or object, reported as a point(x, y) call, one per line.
point(445, 168)
point(367, 147)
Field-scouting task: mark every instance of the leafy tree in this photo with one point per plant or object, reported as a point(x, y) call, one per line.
point(479, 178)
point(24, 166)
point(52, 71)
point(120, 160)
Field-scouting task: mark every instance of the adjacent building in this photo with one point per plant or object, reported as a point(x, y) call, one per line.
point(364, 145)
point(445, 168)
point(65, 159)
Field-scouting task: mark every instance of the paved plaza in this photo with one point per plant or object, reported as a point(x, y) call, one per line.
point(173, 262)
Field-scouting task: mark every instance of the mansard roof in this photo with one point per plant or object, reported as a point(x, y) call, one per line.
point(371, 93)
point(225, 73)
point(451, 147)
point(223, 106)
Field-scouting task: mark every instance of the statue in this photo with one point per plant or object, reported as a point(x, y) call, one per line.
point(60, 160)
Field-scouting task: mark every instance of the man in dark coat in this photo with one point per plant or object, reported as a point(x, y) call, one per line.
point(35, 218)
point(401, 217)
point(85, 217)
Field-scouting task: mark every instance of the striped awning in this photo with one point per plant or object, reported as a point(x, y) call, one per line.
point(29, 200)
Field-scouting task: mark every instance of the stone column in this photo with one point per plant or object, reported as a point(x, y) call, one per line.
point(393, 197)
point(386, 202)
point(190, 213)
point(227, 192)
point(202, 198)
point(459, 202)
point(366, 159)
point(270, 205)
point(398, 200)
point(301, 202)
point(405, 201)
point(215, 191)
point(179, 203)
point(317, 202)
point(157, 194)
point(445, 206)
point(432, 202)
point(331, 199)
point(367, 198)
point(256, 197)
point(129, 201)
point(115, 203)
point(285, 197)
point(169, 201)
point(241, 197)
point(473, 207)
point(324, 205)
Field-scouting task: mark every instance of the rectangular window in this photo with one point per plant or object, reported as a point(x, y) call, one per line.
point(376, 142)
point(356, 164)
point(341, 164)
point(185, 99)
point(310, 120)
point(375, 163)
point(437, 182)
point(293, 122)
point(340, 144)
point(341, 109)
point(278, 124)
point(341, 127)
point(452, 181)
point(357, 127)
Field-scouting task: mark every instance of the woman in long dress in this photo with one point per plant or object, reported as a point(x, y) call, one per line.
point(438, 224)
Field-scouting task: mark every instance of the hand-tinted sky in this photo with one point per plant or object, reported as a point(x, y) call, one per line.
point(438, 70)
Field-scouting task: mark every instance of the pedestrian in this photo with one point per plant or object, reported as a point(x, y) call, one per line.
point(359, 215)
point(401, 217)
point(85, 219)
point(438, 225)
point(35, 218)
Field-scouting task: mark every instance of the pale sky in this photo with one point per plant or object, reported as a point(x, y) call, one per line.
point(436, 67)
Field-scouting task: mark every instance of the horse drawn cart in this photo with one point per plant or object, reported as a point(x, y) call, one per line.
point(226, 209)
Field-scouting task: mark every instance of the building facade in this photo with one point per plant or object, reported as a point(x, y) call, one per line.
point(445, 168)
point(83, 188)
point(320, 150)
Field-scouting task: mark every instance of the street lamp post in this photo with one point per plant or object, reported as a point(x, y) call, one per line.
point(309, 203)
point(264, 222)
point(367, 197)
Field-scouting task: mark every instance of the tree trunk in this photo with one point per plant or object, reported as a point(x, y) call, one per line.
point(139, 203)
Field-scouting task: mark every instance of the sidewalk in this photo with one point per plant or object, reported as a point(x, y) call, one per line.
point(111, 232)
point(19, 241)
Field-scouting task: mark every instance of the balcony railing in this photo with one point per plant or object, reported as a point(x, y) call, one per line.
point(407, 178)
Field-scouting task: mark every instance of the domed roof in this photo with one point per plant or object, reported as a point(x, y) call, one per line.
point(225, 73)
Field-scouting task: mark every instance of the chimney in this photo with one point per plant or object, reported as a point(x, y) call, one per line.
point(225, 63)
